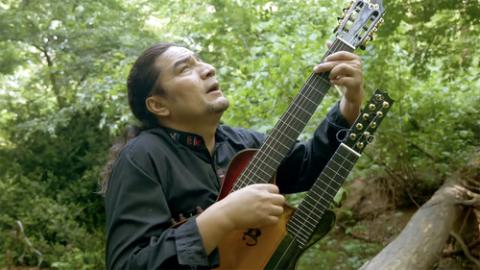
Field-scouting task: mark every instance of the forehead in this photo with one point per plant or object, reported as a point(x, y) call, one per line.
point(173, 54)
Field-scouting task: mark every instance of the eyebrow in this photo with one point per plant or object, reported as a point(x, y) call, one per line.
point(185, 59)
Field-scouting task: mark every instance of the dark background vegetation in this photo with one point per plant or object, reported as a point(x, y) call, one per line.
point(63, 66)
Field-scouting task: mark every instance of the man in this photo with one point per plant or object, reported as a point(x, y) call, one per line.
point(171, 171)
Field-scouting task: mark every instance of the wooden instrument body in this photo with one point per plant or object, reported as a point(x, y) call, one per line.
point(260, 248)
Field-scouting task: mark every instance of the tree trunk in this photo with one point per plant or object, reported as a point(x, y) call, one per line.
point(420, 244)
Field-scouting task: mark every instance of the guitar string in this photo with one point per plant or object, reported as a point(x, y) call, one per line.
point(311, 212)
point(302, 229)
point(293, 109)
point(299, 106)
point(290, 245)
point(336, 173)
point(248, 174)
point(314, 211)
point(266, 154)
point(309, 200)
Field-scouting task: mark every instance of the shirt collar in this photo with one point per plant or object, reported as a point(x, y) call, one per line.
point(192, 140)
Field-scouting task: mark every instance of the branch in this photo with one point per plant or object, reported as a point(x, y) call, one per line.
point(53, 79)
point(51, 74)
point(465, 248)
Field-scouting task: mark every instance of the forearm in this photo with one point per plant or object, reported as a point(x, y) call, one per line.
point(213, 226)
point(349, 110)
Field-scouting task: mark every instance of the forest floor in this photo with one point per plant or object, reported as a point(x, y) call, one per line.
point(366, 222)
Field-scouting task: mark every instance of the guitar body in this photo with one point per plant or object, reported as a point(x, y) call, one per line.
point(257, 247)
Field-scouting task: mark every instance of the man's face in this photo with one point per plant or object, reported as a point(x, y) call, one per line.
point(191, 89)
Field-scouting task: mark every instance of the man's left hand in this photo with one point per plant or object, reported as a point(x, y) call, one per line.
point(345, 70)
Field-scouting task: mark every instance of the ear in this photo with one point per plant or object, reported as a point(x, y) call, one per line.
point(156, 105)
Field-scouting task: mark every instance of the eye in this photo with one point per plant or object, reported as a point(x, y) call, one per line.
point(184, 68)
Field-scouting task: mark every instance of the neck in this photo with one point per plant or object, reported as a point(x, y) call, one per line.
point(202, 127)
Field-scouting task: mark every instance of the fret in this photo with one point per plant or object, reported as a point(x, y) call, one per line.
point(326, 186)
point(337, 168)
point(301, 116)
point(301, 233)
point(291, 124)
point(278, 140)
point(339, 158)
point(330, 176)
point(313, 202)
point(322, 193)
point(320, 79)
point(300, 222)
point(278, 152)
point(315, 205)
point(301, 239)
point(297, 106)
point(305, 227)
point(342, 172)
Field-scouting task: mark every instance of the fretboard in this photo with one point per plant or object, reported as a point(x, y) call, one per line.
point(320, 196)
point(264, 164)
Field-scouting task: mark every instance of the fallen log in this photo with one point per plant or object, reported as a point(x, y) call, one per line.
point(420, 244)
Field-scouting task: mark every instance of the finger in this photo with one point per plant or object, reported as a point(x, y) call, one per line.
point(329, 44)
point(324, 67)
point(343, 70)
point(348, 82)
point(276, 210)
point(328, 66)
point(277, 199)
point(342, 56)
point(268, 187)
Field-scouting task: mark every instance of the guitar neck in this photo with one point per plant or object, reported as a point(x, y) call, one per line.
point(310, 211)
point(318, 199)
point(286, 131)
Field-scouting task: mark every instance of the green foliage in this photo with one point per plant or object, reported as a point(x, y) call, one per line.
point(63, 66)
point(338, 254)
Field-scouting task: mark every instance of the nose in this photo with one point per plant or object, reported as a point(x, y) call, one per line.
point(207, 71)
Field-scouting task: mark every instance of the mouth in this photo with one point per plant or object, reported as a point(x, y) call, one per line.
point(214, 87)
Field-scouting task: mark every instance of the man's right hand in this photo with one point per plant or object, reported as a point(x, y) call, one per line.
point(253, 206)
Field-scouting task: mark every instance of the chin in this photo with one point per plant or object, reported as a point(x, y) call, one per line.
point(220, 105)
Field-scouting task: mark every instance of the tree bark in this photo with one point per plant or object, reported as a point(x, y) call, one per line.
point(420, 244)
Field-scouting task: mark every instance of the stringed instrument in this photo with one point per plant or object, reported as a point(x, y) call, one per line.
point(307, 225)
point(253, 248)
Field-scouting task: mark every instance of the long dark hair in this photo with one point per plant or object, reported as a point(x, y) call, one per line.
point(141, 83)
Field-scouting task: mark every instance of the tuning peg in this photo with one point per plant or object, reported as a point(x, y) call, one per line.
point(360, 145)
point(336, 28)
point(362, 47)
point(340, 18)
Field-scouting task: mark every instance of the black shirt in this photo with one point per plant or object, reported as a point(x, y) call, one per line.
point(163, 175)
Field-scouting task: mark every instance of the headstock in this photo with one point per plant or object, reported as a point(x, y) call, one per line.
point(361, 132)
point(360, 21)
